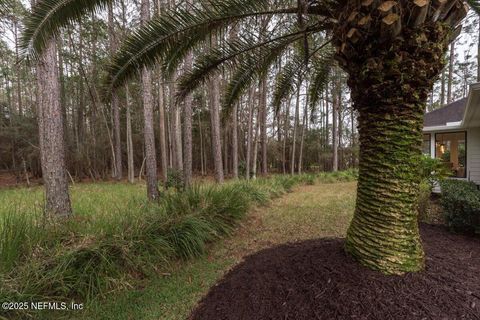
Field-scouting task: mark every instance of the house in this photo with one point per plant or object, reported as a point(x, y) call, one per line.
point(452, 133)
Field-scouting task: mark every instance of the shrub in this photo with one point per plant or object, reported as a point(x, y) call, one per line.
point(461, 205)
point(425, 192)
point(433, 171)
point(175, 180)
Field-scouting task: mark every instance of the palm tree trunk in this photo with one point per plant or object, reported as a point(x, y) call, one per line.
point(51, 134)
point(390, 92)
point(149, 133)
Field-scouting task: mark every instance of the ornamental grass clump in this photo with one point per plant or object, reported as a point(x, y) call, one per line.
point(88, 255)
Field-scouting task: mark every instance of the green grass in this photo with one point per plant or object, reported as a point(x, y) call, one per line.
point(139, 255)
point(322, 210)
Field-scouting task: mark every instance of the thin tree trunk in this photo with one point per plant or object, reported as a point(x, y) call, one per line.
point(450, 72)
point(17, 69)
point(149, 133)
point(336, 107)
point(162, 131)
point(286, 128)
point(215, 124)
point(187, 133)
point(131, 166)
point(51, 134)
point(235, 140)
point(115, 103)
point(442, 89)
point(251, 100)
point(202, 148)
point(176, 128)
point(295, 128)
point(263, 125)
point(255, 145)
point(302, 140)
point(225, 149)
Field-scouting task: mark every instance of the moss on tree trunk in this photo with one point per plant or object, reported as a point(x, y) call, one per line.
point(390, 82)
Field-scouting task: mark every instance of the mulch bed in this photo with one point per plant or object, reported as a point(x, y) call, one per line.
point(317, 280)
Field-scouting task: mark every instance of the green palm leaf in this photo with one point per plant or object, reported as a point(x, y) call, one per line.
point(288, 77)
point(49, 16)
point(230, 53)
point(4, 6)
point(319, 77)
point(475, 5)
point(159, 40)
point(252, 67)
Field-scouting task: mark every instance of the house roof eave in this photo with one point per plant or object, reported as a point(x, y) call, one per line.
point(470, 111)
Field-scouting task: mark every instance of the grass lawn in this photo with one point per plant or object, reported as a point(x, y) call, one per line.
point(322, 210)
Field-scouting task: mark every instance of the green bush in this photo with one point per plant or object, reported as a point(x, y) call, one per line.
point(425, 192)
point(339, 176)
point(461, 205)
point(433, 171)
point(175, 180)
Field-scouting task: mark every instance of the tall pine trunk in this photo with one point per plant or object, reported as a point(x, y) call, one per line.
point(251, 101)
point(131, 166)
point(187, 132)
point(335, 108)
point(148, 128)
point(115, 102)
point(295, 128)
point(215, 124)
point(450, 73)
point(51, 134)
point(235, 140)
point(263, 125)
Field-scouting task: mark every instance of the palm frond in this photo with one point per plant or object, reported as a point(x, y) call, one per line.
point(475, 5)
point(49, 16)
point(159, 39)
point(287, 78)
point(228, 55)
point(322, 65)
point(149, 44)
point(5, 6)
point(252, 67)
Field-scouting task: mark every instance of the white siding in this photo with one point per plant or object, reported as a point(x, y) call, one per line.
point(473, 154)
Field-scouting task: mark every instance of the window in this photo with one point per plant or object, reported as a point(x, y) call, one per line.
point(451, 148)
point(426, 147)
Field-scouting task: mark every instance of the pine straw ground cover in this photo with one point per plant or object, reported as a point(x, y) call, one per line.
point(95, 254)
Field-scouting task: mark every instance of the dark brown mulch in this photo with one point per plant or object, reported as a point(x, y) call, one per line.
point(317, 280)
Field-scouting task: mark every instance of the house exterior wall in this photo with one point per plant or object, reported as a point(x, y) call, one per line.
point(473, 154)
